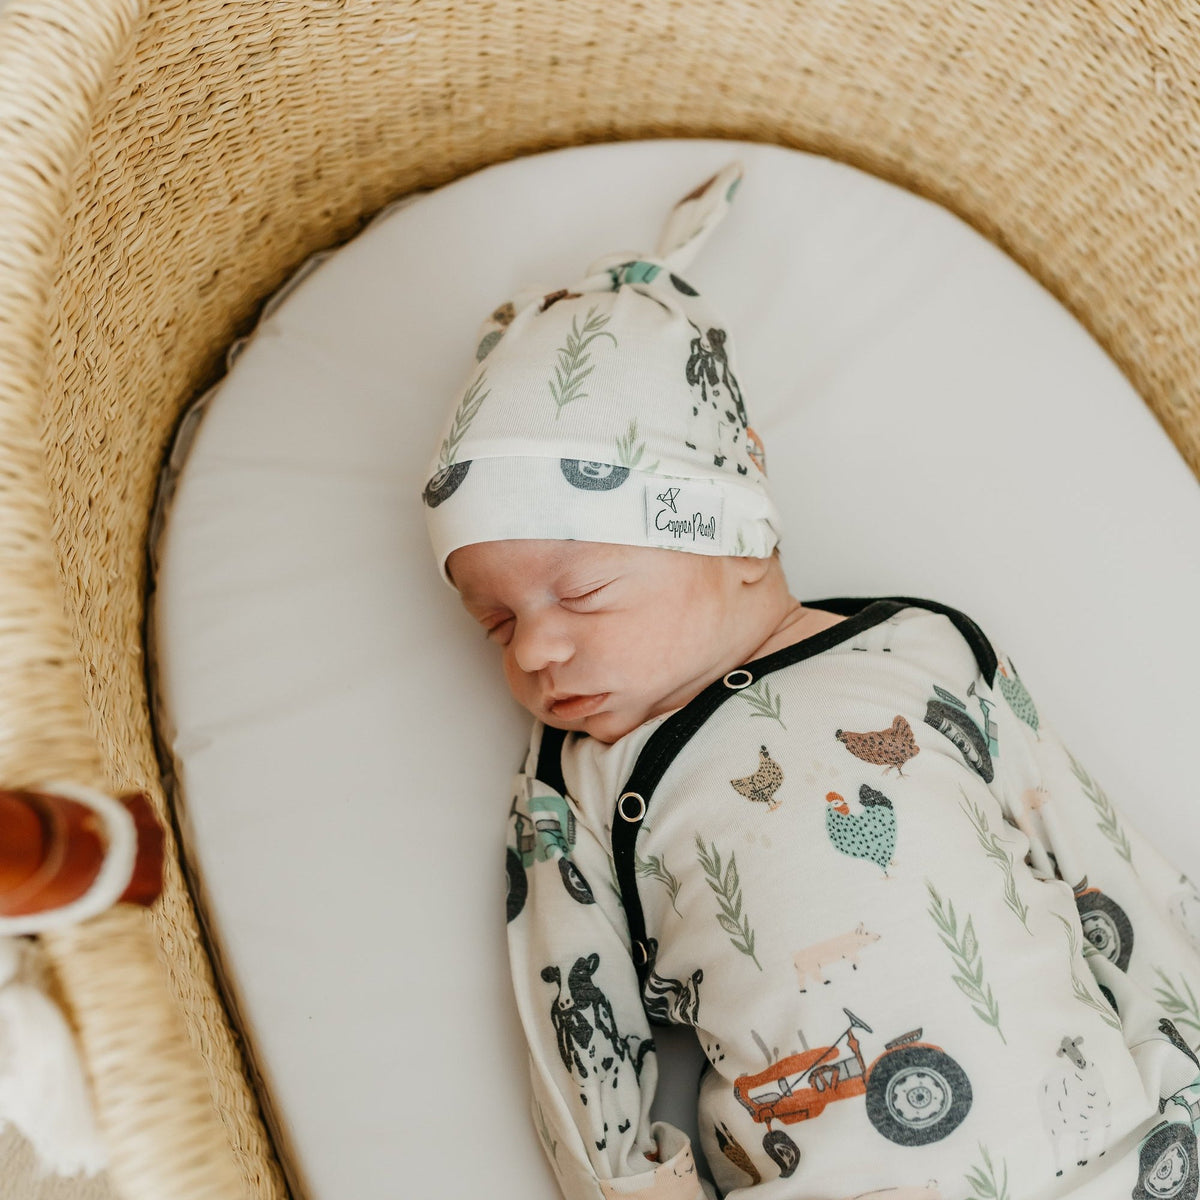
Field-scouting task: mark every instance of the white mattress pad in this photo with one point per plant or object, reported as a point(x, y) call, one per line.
point(936, 425)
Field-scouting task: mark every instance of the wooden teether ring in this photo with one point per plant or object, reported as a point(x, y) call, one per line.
point(52, 849)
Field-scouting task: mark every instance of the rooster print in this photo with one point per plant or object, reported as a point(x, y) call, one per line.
point(867, 834)
point(1015, 692)
point(764, 783)
point(888, 748)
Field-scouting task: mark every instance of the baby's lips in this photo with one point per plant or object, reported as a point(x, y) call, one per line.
point(576, 705)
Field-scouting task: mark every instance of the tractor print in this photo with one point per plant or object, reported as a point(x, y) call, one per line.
point(592, 476)
point(1167, 1028)
point(547, 833)
point(1105, 924)
point(1188, 1098)
point(445, 483)
point(634, 271)
point(1167, 1155)
point(949, 716)
point(915, 1092)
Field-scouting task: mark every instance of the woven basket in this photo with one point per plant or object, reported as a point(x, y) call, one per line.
point(163, 167)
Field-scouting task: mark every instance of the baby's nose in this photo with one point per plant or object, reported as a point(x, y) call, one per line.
point(539, 641)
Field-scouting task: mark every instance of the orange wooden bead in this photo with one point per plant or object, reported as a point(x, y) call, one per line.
point(52, 849)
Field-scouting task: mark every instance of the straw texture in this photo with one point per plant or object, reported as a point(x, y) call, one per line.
point(164, 165)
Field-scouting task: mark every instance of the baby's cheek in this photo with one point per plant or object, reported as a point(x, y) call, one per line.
point(518, 682)
point(636, 641)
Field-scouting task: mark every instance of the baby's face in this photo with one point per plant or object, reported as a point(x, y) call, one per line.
point(599, 637)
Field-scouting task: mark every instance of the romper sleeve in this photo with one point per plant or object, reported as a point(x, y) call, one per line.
point(1132, 903)
point(591, 1056)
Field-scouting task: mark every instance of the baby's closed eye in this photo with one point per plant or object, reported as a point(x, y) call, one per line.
point(496, 626)
point(585, 598)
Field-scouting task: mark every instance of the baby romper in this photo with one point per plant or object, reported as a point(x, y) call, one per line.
point(923, 952)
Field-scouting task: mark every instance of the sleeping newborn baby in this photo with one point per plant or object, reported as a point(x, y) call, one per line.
point(923, 952)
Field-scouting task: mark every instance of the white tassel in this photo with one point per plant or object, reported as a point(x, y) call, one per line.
point(43, 1090)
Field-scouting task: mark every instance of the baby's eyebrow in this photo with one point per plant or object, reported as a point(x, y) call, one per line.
point(566, 576)
point(472, 602)
point(587, 582)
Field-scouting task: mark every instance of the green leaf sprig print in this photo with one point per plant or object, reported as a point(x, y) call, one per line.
point(467, 410)
point(994, 849)
point(1108, 824)
point(1183, 1012)
point(574, 364)
point(984, 1185)
point(656, 868)
point(1081, 992)
point(763, 701)
point(727, 888)
point(630, 450)
point(964, 949)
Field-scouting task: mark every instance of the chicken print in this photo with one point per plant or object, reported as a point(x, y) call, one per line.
point(1014, 691)
point(891, 747)
point(868, 834)
point(764, 783)
point(736, 1152)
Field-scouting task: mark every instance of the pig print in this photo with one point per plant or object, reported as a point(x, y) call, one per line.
point(812, 961)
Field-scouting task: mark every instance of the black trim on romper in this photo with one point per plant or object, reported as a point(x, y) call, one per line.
point(665, 743)
point(549, 763)
point(985, 656)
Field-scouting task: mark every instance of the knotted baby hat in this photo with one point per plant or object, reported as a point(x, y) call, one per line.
point(608, 411)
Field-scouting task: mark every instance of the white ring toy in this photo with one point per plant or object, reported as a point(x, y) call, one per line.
point(115, 872)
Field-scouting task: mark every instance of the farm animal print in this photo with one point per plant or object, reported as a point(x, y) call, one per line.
point(615, 402)
point(590, 1045)
point(918, 943)
point(1076, 1110)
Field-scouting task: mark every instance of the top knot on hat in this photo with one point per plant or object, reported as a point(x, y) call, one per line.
point(608, 410)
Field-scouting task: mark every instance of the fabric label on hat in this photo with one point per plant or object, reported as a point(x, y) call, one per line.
point(685, 516)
